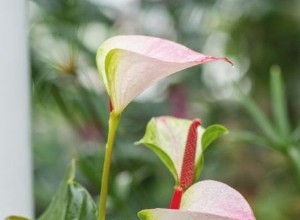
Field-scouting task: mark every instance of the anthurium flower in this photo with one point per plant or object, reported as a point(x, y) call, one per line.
point(130, 64)
point(209, 200)
point(168, 138)
point(180, 144)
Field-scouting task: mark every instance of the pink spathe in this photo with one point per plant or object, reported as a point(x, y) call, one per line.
point(130, 64)
point(216, 198)
point(160, 49)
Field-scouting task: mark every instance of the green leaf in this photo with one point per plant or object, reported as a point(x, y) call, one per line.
point(166, 137)
point(16, 218)
point(210, 134)
point(71, 201)
point(279, 102)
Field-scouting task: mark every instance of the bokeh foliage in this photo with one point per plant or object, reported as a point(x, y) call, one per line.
point(70, 109)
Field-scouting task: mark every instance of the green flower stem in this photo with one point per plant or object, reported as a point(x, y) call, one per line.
point(113, 126)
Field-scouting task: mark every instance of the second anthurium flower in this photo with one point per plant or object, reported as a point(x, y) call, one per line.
point(180, 144)
point(174, 139)
point(130, 64)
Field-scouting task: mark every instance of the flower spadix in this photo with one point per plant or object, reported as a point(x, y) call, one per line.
point(209, 200)
point(130, 64)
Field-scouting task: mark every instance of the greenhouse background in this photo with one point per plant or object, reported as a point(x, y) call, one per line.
point(260, 157)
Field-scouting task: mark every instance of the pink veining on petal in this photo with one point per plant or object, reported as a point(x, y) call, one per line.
point(164, 122)
point(211, 58)
point(160, 49)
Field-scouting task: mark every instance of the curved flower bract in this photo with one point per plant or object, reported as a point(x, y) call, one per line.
point(209, 200)
point(130, 64)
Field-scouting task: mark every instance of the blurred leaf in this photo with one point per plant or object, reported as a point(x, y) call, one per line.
point(257, 115)
point(245, 136)
point(70, 12)
point(296, 134)
point(279, 102)
point(89, 163)
point(71, 201)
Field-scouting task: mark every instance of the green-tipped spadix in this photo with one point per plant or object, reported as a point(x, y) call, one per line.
point(130, 64)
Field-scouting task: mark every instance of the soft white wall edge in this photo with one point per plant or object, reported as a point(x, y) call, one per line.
point(15, 154)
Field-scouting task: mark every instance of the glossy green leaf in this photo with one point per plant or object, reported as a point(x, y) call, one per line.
point(71, 201)
point(210, 134)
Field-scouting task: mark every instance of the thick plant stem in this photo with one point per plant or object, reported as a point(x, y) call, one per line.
point(113, 126)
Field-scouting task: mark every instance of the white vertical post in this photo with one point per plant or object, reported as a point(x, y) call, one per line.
point(15, 155)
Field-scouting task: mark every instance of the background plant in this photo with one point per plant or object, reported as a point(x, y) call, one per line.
point(70, 111)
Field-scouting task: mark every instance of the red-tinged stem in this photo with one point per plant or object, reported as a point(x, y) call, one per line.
point(176, 199)
point(111, 108)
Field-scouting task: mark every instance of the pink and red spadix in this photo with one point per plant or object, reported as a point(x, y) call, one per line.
point(188, 166)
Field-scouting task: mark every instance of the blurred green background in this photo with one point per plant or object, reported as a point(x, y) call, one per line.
point(70, 108)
